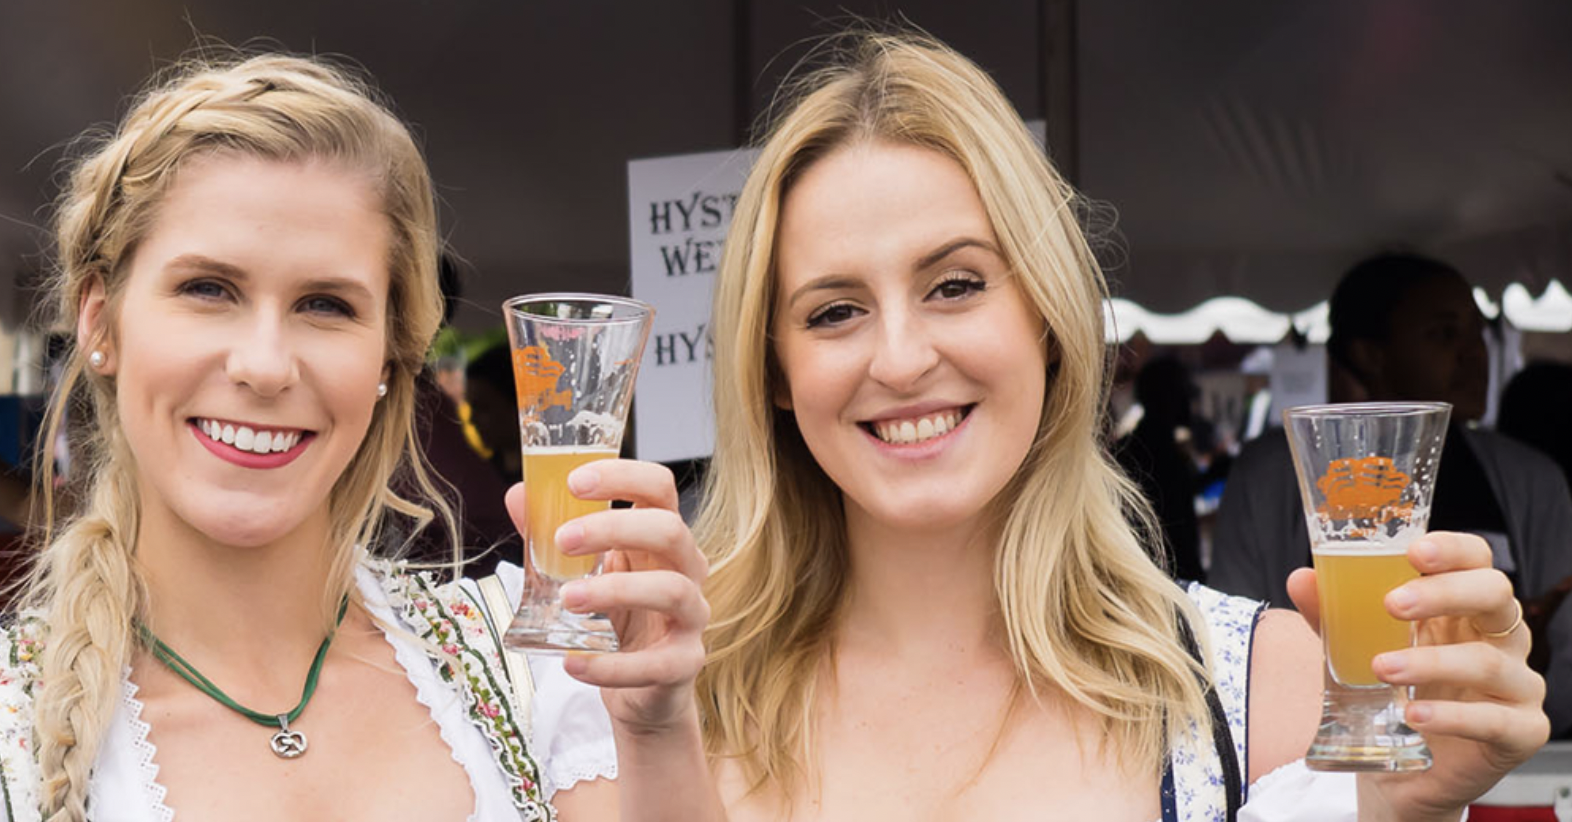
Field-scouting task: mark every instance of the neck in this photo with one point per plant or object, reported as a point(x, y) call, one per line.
point(919, 589)
point(255, 605)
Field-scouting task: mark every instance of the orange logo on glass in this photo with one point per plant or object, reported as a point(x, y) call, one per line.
point(1364, 488)
point(535, 373)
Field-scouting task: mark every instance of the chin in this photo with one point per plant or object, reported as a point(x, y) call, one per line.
point(244, 531)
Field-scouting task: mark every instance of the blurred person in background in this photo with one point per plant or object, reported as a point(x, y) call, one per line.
point(1153, 456)
point(466, 480)
point(1406, 328)
point(1534, 410)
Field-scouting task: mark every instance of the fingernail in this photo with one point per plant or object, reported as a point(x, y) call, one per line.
point(575, 662)
point(1391, 663)
point(1419, 712)
point(573, 595)
point(583, 480)
point(569, 537)
point(1426, 551)
point(1402, 598)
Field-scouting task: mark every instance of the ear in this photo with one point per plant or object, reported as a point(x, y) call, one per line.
point(91, 334)
point(781, 394)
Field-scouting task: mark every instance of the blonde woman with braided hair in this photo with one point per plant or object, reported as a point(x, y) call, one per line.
point(928, 599)
point(249, 264)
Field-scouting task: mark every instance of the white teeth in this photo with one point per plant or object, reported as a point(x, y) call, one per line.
point(906, 432)
point(249, 439)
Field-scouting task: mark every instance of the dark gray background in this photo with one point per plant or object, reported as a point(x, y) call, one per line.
point(1249, 147)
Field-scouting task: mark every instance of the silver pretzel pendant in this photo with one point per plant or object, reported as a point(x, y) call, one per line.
point(287, 744)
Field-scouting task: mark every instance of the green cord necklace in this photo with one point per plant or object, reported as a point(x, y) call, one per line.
point(287, 744)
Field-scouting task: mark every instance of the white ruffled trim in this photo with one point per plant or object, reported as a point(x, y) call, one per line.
point(147, 769)
point(428, 690)
point(564, 769)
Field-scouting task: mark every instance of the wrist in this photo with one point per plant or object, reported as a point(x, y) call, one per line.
point(1375, 806)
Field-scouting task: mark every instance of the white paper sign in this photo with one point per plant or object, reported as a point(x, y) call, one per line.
point(678, 211)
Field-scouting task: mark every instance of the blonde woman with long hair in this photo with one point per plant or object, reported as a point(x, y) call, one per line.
point(248, 262)
point(928, 598)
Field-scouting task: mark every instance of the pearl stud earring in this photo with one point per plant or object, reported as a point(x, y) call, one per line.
point(96, 359)
point(382, 390)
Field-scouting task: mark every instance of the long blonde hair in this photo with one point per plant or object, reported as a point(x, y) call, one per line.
point(1084, 609)
point(85, 582)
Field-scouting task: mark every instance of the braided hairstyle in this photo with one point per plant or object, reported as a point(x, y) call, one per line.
point(85, 584)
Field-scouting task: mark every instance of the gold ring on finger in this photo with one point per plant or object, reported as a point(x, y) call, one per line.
point(1508, 632)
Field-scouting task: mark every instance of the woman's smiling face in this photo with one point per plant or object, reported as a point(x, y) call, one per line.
point(915, 367)
point(249, 342)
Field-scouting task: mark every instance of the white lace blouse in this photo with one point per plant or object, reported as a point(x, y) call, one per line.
point(571, 734)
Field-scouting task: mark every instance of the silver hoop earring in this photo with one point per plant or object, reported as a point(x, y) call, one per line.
point(96, 359)
point(382, 390)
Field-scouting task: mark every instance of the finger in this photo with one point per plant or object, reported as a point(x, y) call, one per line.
point(666, 592)
point(655, 531)
point(645, 484)
point(1517, 731)
point(675, 664)
point(1441, 551)
point(1480, 594)
point(516, 501)
point(1303, 591)
point(1476, 667)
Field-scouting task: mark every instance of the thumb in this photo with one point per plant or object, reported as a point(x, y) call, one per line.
point(1302, 590)
point(515, 502)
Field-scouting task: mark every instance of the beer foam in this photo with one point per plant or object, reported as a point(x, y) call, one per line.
point(550, 450)
point(1365, 547)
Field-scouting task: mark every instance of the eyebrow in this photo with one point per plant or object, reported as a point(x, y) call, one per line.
point(198, 262)
point(956, 245)
point(332, 285)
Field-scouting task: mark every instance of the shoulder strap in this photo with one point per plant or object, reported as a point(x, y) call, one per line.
point(1222, 737)
point(498, 607)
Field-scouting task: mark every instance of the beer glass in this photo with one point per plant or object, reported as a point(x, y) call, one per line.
point(575, 360)
point(1367, 473)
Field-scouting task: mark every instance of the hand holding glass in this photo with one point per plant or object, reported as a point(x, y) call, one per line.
point(1367, 473)
point(575, 360)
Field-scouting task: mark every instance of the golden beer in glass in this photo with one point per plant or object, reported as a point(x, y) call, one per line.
point(1354, 623)
point(1367, 475)
point(550, 505)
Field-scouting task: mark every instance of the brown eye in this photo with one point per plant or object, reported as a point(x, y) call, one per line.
point(833, 314)
point(958, 287)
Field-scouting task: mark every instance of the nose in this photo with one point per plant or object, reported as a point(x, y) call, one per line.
point(262, 355)
point(904, 351)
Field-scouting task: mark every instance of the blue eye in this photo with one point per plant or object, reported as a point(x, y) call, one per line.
point(832, 314)
point(204, 289)
point(322, 304)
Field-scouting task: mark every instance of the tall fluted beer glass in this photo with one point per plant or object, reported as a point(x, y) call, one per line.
point(575, 360)
point(1367, 473)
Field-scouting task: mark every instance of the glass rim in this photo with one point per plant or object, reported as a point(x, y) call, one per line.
point(640, 309)
point(1367, 409)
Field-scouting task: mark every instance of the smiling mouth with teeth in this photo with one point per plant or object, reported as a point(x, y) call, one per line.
point(917, 429)
point(247, 438)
